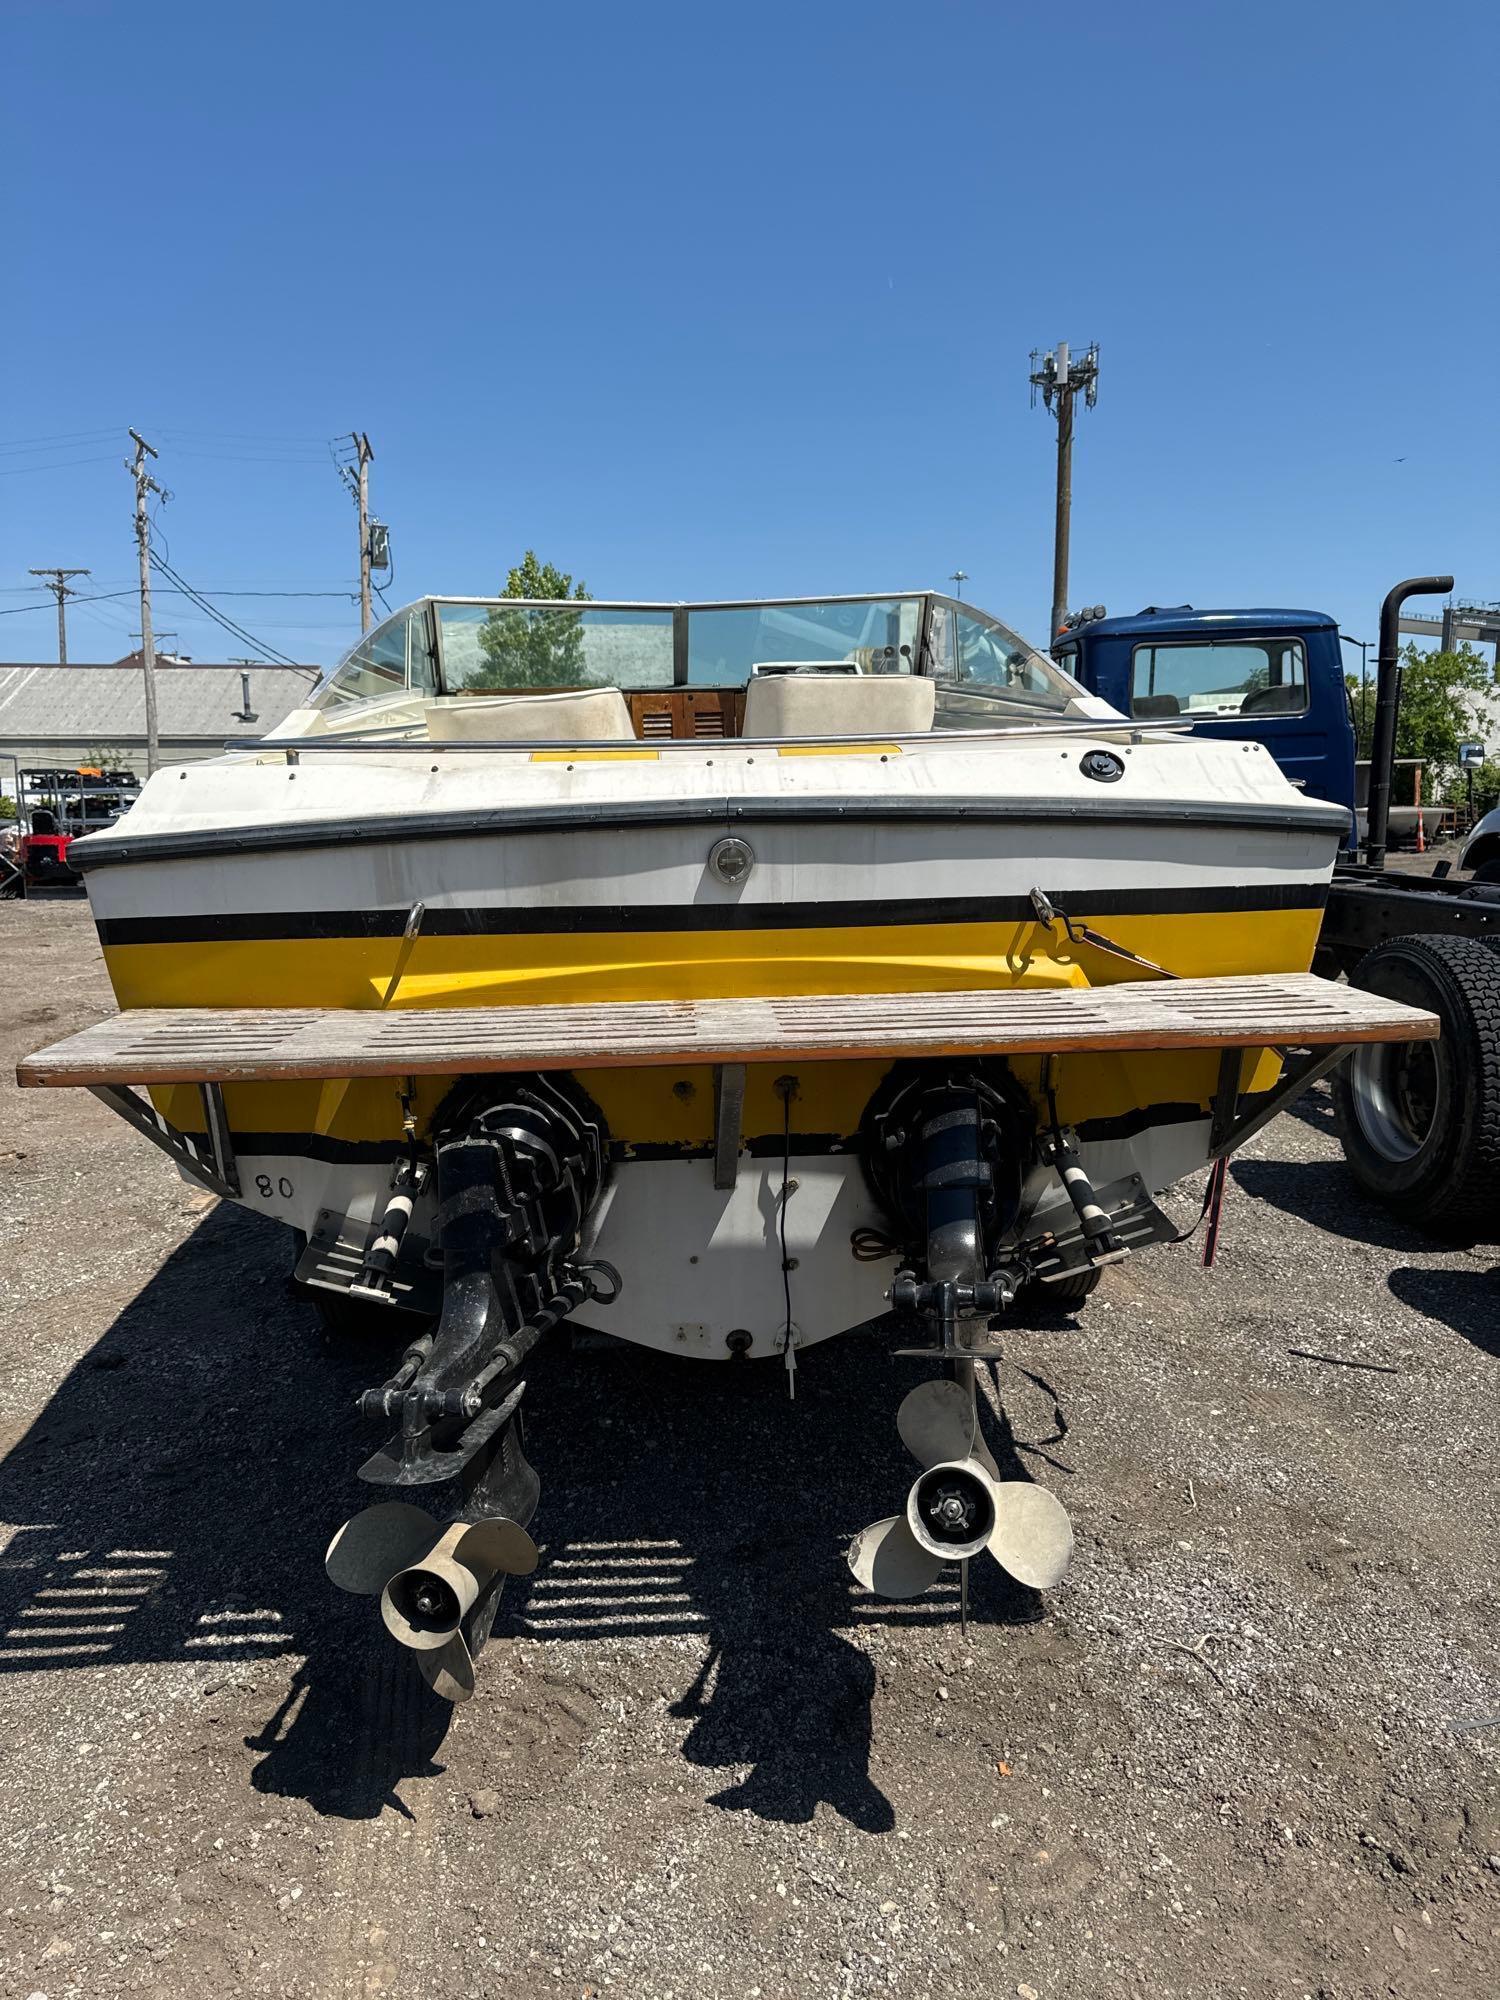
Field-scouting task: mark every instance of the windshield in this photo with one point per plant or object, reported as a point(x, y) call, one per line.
point(877, 636)
point(986, 673)
point(500, 648)
point(980, 665)
point(395, 656)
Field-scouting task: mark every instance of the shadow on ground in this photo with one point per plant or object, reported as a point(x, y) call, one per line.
point(1314, 1108)
point(1467, 1301)
point(174, 1498)
point(1324, 1193)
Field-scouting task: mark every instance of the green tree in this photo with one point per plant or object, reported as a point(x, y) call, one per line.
point(1436, 711)
point(534, 649)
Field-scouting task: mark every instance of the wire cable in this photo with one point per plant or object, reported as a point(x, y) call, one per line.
point(74, 597)
point(220, 618)
point(61, 438)
point(58, 465)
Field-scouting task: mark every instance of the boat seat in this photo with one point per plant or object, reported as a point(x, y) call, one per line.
point(577, 715)
point(838, 705)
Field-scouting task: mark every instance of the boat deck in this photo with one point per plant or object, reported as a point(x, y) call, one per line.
point(235, 1045)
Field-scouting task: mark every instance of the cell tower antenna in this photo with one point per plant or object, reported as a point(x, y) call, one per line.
point(1061, 381)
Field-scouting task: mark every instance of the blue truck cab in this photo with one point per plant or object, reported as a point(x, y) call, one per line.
point(1276, 676)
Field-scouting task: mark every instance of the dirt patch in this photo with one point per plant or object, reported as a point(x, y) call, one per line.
point(1231, 1755)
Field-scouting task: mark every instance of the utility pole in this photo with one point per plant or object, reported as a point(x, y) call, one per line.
point(357, 478)
point(145, 484)
point(59, 588)
point(1060, 381)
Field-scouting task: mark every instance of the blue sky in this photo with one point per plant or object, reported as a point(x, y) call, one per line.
point(705, 302)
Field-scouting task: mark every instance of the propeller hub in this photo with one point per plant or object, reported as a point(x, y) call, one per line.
point(951, 1509)
point(426, 1602)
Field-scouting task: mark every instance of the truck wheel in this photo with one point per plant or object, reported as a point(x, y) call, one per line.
point(1420, 1121)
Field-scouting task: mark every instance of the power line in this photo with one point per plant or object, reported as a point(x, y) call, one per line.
point(249, 458)
point(58, 465)
point(58, 438)
point(74, 597)
point(219, 617)
point(247, 437)
point(102, 596)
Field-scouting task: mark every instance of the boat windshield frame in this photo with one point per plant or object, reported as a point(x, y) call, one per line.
point(410, 653)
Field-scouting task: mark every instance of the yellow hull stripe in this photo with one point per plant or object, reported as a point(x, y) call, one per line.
point(578, 969)
point(665, 1106)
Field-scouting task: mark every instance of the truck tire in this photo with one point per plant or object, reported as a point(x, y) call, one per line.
point(1420, 1121)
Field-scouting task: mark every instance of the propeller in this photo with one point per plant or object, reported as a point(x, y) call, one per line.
point(428, 1576)
point(959, 1506)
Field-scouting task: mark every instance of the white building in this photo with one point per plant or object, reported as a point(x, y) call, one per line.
point(55, 717)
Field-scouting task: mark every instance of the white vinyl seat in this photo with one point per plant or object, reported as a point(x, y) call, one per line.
point(795, 705)
point(577, 715)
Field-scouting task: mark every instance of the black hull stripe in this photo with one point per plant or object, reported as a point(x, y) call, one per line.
point(806, 1145)
point(99, 851)
point(274, 925)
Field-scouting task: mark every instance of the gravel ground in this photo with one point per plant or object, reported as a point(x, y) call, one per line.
point(1229, 1756)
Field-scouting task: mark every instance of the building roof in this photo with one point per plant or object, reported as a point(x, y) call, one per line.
point(107, 705)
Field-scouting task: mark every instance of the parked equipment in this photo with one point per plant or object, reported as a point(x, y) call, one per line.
point(58, 807)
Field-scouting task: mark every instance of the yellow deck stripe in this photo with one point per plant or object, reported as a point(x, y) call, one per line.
point(839, 750)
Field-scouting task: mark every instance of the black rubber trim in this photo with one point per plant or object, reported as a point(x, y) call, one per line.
point(379, 1152)
point(98, 852)
point(222, 927)
point(766, 1146)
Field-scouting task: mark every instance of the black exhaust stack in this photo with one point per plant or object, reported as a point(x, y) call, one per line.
point(1387, 697)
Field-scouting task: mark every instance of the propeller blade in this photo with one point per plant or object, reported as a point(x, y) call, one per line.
point(887, 1558)
point(497, 1546)
point(374, 1545)
point(1033, 1537)
point(938, 1425)
point(450, 1670)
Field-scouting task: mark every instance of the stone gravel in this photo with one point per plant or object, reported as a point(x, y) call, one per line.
point(1250, 1747)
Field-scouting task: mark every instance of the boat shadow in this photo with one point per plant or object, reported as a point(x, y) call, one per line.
point(685, 1500)
point(173, 1498)
point(171, 1501)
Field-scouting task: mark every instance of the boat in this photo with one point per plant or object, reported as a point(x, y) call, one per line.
point(718, 976)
